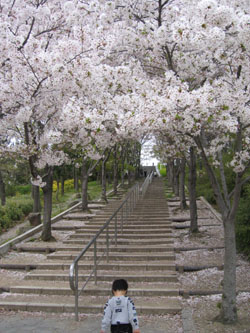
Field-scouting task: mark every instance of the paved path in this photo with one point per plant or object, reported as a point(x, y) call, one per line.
point(22, 323)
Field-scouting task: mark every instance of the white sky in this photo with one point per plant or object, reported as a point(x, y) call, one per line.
point(147, 157)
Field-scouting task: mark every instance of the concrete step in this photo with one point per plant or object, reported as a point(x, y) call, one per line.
point(152, 267)
point(94, 291)
point(123, 241)
point(112, 248)
point(126, 226)
point(126, 230)
point(124, 235)
point(104, 276)
point(65, 304)
point(115, 257)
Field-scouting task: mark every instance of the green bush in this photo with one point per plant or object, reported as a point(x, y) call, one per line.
point(243, 239)
point(204, 188)
point(13, 212)
point(5, 221)
point(26, 207)
point(23, 189)
point(10, 190)
point(243, 223)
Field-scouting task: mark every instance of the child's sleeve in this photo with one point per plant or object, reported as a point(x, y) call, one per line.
point(106, 320)
point(132, 314)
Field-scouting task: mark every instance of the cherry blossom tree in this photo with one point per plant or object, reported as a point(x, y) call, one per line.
point(39, 41)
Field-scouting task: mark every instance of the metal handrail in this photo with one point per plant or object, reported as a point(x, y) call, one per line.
point(146, 183)
point(128, 205)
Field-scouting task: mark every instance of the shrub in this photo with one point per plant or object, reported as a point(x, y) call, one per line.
point(13, 212)
point(68, 185)
point(243, 223)
point(26, 207)
point(23, 189)
point(10, 190)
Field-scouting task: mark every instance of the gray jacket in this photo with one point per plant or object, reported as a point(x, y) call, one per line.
point(120, 310)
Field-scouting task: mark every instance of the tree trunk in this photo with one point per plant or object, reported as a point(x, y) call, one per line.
point(228, 310)
point(171, 174)
point(76, 179)
point(115, 170)
point(47, 197)
point(129, 178)
point(62, 185)
point(84, 185)
point(123, 156)
point(176, 177)
point(183, 203)
point(104, 181)
point(36, 199)
point(2, 190)
point(57, 189)
point(192, 192)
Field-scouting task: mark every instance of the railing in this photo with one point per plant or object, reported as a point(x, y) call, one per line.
point(123, 212)
point(146, 183)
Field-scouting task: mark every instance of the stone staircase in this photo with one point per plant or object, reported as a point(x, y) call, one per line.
point(144, 255)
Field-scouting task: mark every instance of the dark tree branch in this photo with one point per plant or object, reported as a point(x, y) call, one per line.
point(28, 36)
point(38, 87)
point(47, 30)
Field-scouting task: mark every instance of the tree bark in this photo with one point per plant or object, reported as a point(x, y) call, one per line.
point(84, 185)
point(47, 197)
point(57, 189)
point(183, 203)
point(176, 177)
point(171, 173)
point(123, 155)
point(76, 179)
point(115, 170)
point(2, 190)
point(36, 199)
point(192, 192)
point(228, 310)
point(62, 185)
point(104, 180)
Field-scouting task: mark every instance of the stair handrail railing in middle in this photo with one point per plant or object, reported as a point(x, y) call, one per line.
point(146, 183)
point(125, 209)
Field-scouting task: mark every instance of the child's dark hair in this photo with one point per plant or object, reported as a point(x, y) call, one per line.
point(120, 284)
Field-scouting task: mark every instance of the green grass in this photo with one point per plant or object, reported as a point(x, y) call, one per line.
point(162, 170)
point(62, 203)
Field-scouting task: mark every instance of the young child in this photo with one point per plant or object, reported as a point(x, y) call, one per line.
point(120, 311)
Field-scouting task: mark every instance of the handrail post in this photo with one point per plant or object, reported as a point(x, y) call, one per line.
point(127, 211)
point(95, 261)
point(107, 242)
point(122, 220)
point(130, 205)
point(116, 230)
point(76, 292)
